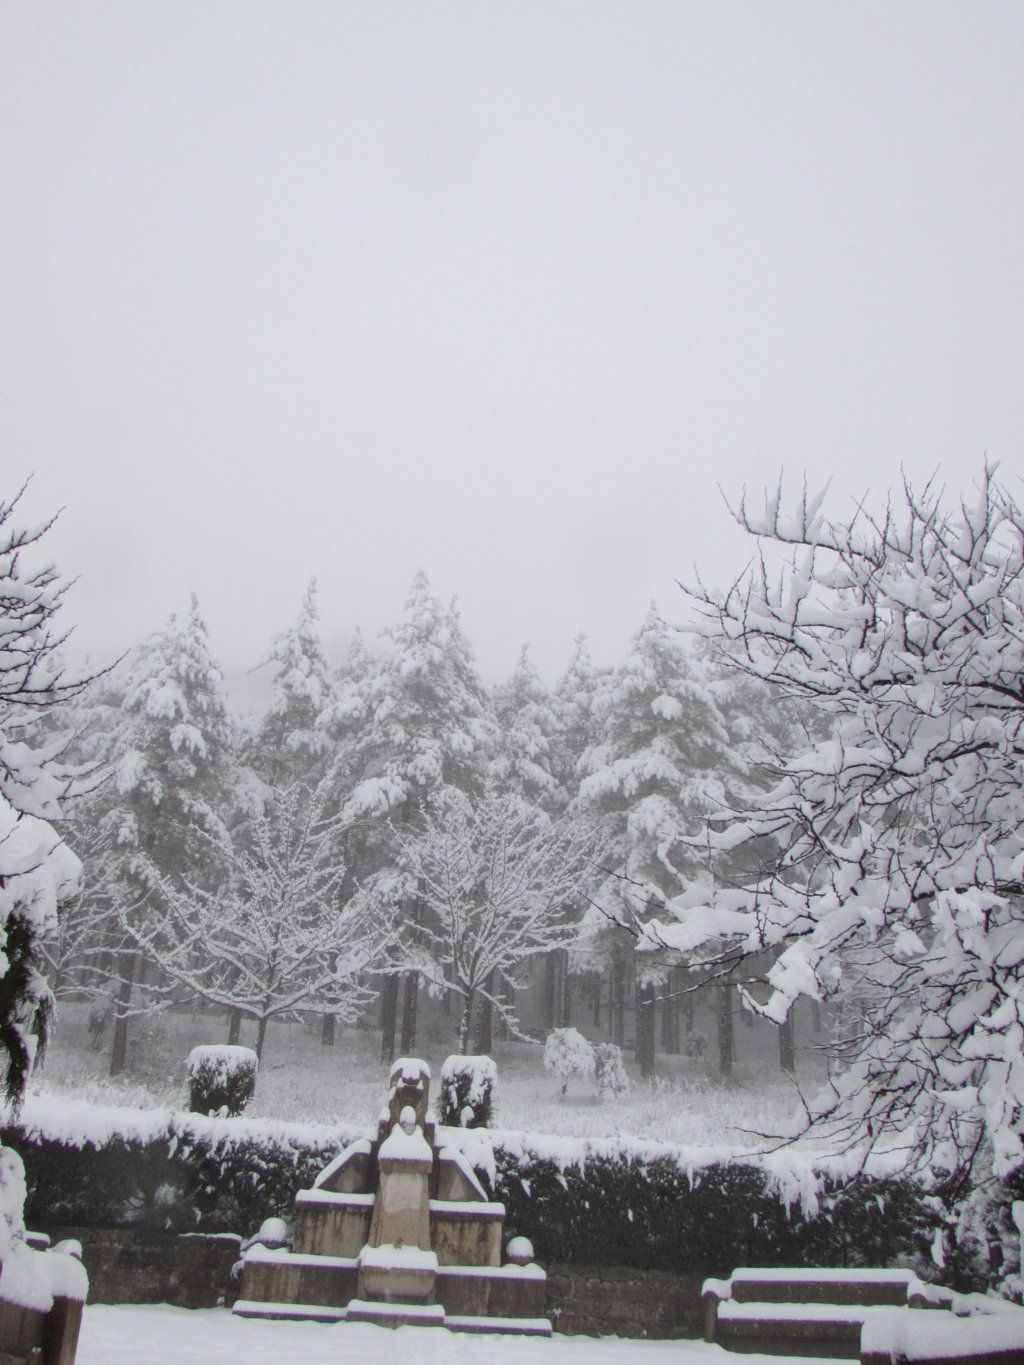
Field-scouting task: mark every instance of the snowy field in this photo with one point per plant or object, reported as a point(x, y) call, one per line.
point(178, 1336)
point(302, 1081)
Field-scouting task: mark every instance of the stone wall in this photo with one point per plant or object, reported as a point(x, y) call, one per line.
point(126, 1265)
point(130, 1266)
point(619, 1301)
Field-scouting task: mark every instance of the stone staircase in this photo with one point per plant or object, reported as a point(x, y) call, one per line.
point(398, 1231)
point(806, 1312)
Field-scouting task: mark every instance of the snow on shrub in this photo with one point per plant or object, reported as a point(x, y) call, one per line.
point(467, 1092)
point(610, 1201)
point(567, 1053)
point(611, 1074)
point(221, 1079)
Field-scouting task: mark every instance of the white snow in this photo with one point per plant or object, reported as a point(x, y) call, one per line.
point(918, 1335)
point(402, 1146)
point(178, 1336)
point(391, 1257)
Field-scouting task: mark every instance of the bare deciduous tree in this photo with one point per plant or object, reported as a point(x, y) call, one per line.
point(276, 937)
point(494, 876)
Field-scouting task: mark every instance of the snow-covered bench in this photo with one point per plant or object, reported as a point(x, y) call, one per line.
point(803, 1311)
point(42, 1293)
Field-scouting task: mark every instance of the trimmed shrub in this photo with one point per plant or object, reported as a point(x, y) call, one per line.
point(221, 1079)
point(467, 1092)
point(611, 1074)
point(567, 1053)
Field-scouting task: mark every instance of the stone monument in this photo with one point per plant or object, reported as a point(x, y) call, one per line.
point(398, 1230)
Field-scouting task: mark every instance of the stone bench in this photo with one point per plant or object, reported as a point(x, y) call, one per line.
point(805, 1311)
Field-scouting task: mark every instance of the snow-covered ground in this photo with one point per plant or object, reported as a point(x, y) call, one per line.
point(161, 1335)
point(302, 1081)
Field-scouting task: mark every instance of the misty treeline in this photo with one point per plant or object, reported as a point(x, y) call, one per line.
point(392, 830)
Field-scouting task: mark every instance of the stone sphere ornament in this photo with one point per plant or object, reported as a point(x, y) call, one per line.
point(519, 1251)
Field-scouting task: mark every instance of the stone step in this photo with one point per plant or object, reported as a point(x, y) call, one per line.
point(813, 1329)
point(311, 1312)
point(395, 1314)
point(876, 1287)
point(521, 1327)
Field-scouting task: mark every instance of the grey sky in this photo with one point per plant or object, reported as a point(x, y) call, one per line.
point(499, 290)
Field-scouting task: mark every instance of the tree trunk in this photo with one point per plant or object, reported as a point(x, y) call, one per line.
point(668, 1016)
point(119, 1050)
point(327, 1031)
point(388, 1017)
point(550, 992)
point(725, 1030)
point(618, 1002)
point(234, 1028)
point(410, 996)
point(561, 1001)
point(465, 1023)
point(483, 1041)
point(596, 1004)
point(646, 1011)
point(261, 1037)
point(787, 1048)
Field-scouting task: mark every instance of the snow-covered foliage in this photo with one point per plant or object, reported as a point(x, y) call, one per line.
point(171, 751)
point(466, 1098)
point(609, 1070)
point(290, 744)
point(427, 723)
point(274, 937)
point(38, 872)
point(661, 760)
point(574, 706)
point(33, 774)
point(528, 744)
point(221, 1078)
point(494, 874)
point(566, 1054)
point(898, 870)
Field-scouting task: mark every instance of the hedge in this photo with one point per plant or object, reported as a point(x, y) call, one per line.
point(607, 1203)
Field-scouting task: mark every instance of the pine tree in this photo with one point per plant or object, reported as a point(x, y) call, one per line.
point(427, 726)
point(574, 705)
point(661, 764)
point(171, 756)
point(528, 744)
point(291, 744)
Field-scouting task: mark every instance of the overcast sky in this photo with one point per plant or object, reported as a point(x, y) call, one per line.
point(502, 290)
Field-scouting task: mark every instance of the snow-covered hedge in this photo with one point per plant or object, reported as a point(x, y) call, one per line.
point(592, 1201)
point(466, 1098)
point(221, 1078)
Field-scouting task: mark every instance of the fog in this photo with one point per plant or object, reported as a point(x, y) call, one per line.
point(505, 291)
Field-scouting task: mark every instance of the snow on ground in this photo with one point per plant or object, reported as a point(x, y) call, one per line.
point(302, 1081)
point(163, 1335)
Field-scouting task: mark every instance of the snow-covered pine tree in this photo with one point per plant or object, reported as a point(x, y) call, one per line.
point(172, 761)
point(661, 764)
point(525, 763)
point(290, 744)
point(576, 733)
point(574, 707)
point(527, 752)
point(427, 726)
